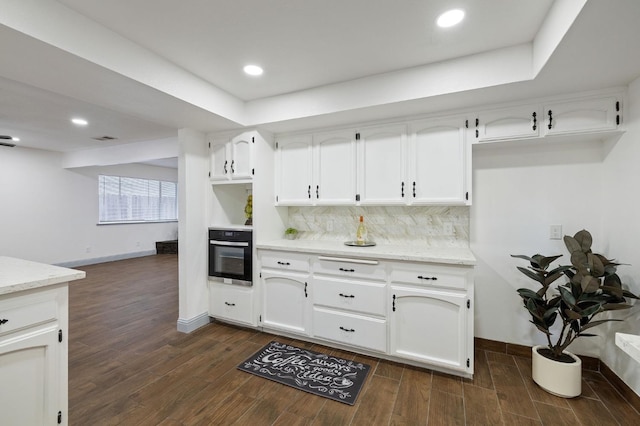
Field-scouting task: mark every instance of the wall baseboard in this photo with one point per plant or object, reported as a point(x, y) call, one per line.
point(191, 324)
point(588, 363)
point(105, 259)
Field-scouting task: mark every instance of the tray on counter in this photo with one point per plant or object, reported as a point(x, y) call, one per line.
point(355, 244)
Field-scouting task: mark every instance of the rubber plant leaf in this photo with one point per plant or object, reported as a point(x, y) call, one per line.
point(590, 284)
point(595, 265)
point(567, 296)
point(596, 323)
point(529, 273)
point(584, 239)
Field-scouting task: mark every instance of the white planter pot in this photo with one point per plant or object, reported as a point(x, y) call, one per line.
point(558, 378)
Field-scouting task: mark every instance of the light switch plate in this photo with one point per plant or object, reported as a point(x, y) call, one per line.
point(555, 232)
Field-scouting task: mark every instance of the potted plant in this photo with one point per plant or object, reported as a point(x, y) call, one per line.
point(593, 287)
point(290, 233)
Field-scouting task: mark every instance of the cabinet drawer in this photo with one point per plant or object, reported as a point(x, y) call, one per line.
point(345, 267)
point(230, 302)
point(21, 312)
point(284, 260)
point(350, 329)
point(368, 298)
point(431, 275)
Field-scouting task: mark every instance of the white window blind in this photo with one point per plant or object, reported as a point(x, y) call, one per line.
point(124, 199)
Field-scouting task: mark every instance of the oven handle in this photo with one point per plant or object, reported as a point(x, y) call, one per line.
point(228, 243)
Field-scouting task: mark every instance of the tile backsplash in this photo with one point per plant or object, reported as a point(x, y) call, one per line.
point(436, 226)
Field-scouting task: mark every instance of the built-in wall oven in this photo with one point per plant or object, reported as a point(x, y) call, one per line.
point(230, 255)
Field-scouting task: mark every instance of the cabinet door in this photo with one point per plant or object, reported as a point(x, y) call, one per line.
point(382, 166)
point(285, 302)
point(241, 148)
point(509, 124)
point(334, 168)
point(438, 162)
point(293, 171)
point(431, 326)
point(591, 115)
point(29, 373)
point(231, 302)
point(219, 158)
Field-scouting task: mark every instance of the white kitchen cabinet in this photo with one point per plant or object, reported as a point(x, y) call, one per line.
point(285, 301)
point(508, 124)
point(431, 316)
point(233, 303)
point(381, 166)
point(33, 357)
point(438, 162)
point(286, 291)
point(233, 159)
point(582, 116)
point(316, 170)
point(334, 168)
point(431, 326)
point(294, 162)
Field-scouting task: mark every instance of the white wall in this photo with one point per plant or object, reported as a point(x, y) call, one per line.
point(519, 191)
point(49, 214)
point(621, 206)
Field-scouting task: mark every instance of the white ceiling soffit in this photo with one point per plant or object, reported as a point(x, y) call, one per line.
point(155, 44)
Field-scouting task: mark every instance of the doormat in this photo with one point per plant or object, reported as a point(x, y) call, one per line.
point(314, 372)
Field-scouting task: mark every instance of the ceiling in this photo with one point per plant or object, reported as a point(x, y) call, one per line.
point(139, 70)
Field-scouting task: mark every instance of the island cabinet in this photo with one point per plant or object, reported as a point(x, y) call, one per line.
point(286, 292)
point(34, 333)
point(431, 318)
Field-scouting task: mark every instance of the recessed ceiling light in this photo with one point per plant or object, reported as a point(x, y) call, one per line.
point(450, 18)
point(79, 121)
point(253, 70)
point(15, 139)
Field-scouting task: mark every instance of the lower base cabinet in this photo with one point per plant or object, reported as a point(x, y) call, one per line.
point(232, 303)
point(431, 326)
point(417, 312)
point(33, 357)
point(350, 329)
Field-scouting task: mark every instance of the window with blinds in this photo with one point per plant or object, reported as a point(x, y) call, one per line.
point(124, 199)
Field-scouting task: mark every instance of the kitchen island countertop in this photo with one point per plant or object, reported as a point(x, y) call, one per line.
point(407, 252)
point(19, 275)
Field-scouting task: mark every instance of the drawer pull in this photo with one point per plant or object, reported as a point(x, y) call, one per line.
point(284, 263)
point(420, 277)
point(351, 296)
point(3, 321)
point(347, 270)
point(229, 304)
point(348, 330)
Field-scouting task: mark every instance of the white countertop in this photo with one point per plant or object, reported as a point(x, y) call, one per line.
point(409, 252)
point(630, 343)
point(18, 275)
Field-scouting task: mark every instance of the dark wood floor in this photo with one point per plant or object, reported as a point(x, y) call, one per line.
point(129, 366)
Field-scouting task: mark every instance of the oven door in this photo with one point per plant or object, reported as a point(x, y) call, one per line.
point(230, 259)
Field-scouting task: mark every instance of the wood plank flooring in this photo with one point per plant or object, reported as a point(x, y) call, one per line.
point(129, 366)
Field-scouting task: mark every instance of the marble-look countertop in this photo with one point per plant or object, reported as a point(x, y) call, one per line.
point(630, 343)
point(408, 252)
point(19, 275)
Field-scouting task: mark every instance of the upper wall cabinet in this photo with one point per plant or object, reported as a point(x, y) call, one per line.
point(511, 123)
point(316, 170)
point(439, 163)
point(579, 116)
point(232, 159)
point(334, 168)
point(381, 166)
point(293, 170)
point(590, 115)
